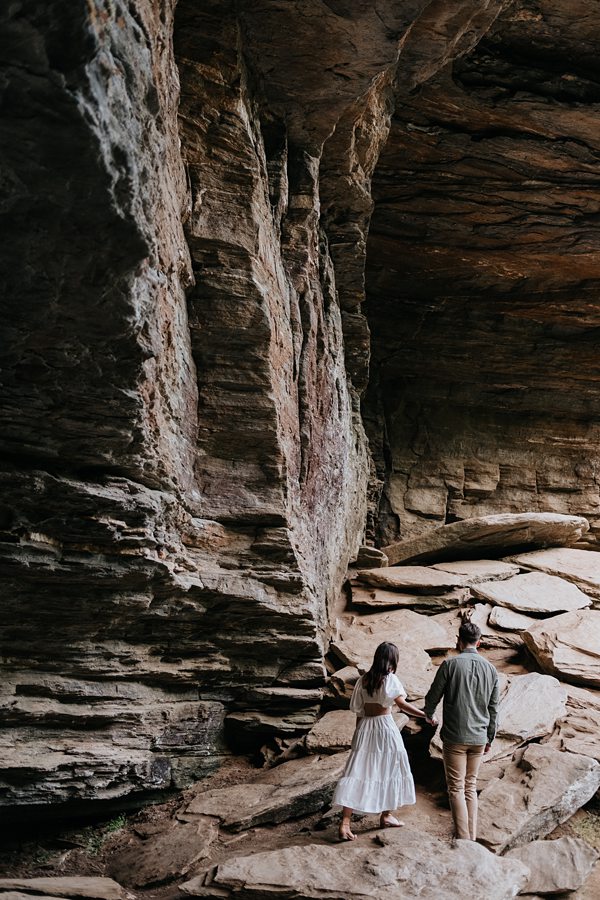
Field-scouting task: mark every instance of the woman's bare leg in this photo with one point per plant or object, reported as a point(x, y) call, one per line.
point(345, 832)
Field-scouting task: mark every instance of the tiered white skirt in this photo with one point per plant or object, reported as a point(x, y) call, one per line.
point(377, 776)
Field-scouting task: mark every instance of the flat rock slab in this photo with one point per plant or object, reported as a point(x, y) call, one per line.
point(379, 598)
point(568, 646)
point(489, 536)
point(400, 865)
point(292, 789)
point(509, 620)
point(582, 567)
point(95, 888)
point(478, 570)
point(555, 866)
point(340, 686)
point(414, 579)
point(540, 789)
point(334, 731)
point(533, 592)
point(165, 856)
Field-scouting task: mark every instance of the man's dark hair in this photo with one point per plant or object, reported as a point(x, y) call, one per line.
point(469, 633)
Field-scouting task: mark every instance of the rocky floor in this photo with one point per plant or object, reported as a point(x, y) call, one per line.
point(252, 831)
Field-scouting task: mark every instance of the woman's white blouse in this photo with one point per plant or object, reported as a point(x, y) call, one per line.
point(384, 695)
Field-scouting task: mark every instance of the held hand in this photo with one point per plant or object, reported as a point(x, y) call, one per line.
point(431, 721)
point(487, 748)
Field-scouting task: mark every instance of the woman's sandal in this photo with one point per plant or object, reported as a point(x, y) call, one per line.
point(390, 822)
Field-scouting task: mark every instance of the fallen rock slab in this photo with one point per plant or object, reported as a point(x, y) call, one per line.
point(533, 592)
point(555, 866)
point(414, 579)
point(293, 789)
point(429, 604)
point(334, 731)
point(95, 888)
point(340, 686)
point(489, 536)
point(164, 856)
point(541, 788)
point(581, 567)
point(509, 620)
point(478, 570)
point(568, 646)
point(402, 865)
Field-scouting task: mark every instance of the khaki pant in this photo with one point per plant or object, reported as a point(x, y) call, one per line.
point(461, 763)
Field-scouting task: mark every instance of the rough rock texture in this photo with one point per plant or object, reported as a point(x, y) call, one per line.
point(75, 887)
point(166, 855)
point(186, 192)
point(507, 620)
point(292, 789)
point(543, 788)
point(479, 569)
point(487, 534)
point(578, 731)
point(555, 866)
point(377, 598)
point(568, 646)
point(418, 579)
point(534, 592)
point(393, 868)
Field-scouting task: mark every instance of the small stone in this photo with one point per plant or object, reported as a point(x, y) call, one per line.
point(371, 558)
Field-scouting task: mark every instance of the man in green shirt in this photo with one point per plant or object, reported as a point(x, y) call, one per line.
point(469, 685)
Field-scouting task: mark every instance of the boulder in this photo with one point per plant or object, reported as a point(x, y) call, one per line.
point(371, 558)
point(478, 570)
point(166, 855)
point(509, 620)
point(92, 887)
point(533, 592)
point(568, 646)
point(293, 789)
point(581, 567)
point(555, 866)
point(401, 865)
point(378, 598)
point(541, 788)
point(340, 686)
point(414, 579)
point(334, 731)
point(489, 536)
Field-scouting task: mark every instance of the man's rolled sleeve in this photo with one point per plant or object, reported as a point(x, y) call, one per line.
point(493, 711)
point(436, 691)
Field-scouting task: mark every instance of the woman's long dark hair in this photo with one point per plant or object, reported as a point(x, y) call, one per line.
point(384, 662)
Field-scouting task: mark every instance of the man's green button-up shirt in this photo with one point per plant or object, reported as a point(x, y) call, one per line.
point(469, 685)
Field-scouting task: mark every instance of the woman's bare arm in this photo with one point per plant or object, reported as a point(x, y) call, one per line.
point(413, 710)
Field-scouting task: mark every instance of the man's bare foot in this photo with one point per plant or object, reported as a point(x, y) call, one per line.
point(389, 821)
point(346, 833)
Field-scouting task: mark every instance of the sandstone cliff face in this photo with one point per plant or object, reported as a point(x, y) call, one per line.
point(482, 281)
point(185, 474)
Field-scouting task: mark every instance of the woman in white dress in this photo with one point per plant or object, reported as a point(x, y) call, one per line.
point(377, 776)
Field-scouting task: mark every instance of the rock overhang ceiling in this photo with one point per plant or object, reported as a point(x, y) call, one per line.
point(482, 279)
point(183, 458)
